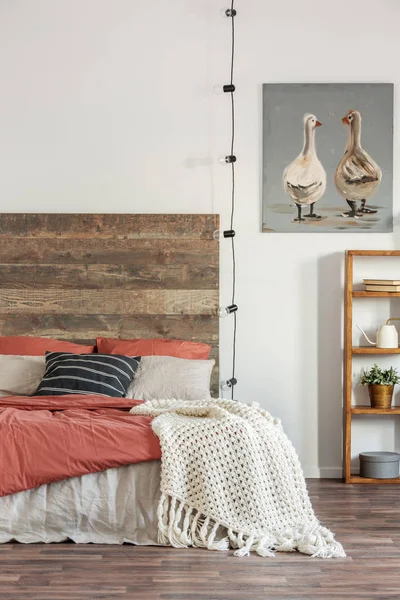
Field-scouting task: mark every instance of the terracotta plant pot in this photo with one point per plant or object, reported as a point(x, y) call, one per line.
point(380, 395)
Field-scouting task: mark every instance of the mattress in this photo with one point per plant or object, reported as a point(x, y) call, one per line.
point(109, 507)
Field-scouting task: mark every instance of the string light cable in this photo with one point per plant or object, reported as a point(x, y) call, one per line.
point(230, 159)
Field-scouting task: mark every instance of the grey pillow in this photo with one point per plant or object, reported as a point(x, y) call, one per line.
point(20, 375)
point(165, 377)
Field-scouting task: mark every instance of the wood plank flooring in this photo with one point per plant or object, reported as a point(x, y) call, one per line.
point(366, 520)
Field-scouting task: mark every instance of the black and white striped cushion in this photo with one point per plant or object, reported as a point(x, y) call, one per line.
point(103, 374)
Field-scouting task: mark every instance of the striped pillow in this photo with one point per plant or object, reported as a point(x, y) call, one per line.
point(101, 374)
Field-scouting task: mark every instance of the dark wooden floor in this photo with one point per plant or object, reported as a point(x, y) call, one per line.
point(365, 518)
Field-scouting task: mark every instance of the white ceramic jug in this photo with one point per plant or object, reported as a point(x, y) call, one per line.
point(386, 336)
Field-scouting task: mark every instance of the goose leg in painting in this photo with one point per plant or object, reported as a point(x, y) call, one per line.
point(299, 217)
point(364, 209)
point(354, 212)
point(312, 214)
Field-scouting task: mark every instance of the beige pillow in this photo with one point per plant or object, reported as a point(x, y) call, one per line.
point(164, 377)
point(20, 375)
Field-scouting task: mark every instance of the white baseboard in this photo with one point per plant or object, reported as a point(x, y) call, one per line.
point(323, 472)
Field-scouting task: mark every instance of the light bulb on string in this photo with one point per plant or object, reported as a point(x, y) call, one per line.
point(224, 311)
point(227, 159)
point(227, 233)
point(228, 12)
point(228, 384)
point(223, 89)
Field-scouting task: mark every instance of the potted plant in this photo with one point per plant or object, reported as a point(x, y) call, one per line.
point(380, 384)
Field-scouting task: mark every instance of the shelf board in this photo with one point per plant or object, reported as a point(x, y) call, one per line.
point(358, 479)
point(363, 294)
point(365, 409)
point(373, 252)
point(374, 350)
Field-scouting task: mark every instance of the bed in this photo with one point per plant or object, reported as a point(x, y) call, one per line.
point(77, 277)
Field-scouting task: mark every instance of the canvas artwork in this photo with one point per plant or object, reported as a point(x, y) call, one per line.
point(327, 158)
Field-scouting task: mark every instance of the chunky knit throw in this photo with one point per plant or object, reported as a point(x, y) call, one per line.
point(228, 467)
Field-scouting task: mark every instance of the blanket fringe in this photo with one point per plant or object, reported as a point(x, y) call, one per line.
point(181, 526)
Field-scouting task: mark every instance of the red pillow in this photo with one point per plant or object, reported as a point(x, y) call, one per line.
point(153, 347)
point(25, 345)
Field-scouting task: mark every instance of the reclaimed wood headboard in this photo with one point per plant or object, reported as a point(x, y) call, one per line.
point(78, 276)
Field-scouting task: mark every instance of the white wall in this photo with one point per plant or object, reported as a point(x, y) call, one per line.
point(107, 106)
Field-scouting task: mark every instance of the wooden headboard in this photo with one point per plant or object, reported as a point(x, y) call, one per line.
point(78, 276)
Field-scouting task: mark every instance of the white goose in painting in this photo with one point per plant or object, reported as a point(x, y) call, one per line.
point(357, 176)
point(304, 180)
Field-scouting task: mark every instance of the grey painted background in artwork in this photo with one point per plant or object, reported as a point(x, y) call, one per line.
point(284, 106)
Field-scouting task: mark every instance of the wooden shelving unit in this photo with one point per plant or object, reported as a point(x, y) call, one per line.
point(349, 351)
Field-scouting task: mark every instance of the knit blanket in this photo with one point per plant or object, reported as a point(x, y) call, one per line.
point(229, 467)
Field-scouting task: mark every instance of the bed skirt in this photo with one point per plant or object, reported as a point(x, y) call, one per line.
point(111, 507)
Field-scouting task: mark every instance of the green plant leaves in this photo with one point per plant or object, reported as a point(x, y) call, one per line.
point(377, 376)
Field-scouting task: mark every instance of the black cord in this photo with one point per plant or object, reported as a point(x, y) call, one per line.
point(232, 17)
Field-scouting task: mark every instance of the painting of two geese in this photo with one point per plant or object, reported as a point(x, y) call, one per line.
point(327, 158)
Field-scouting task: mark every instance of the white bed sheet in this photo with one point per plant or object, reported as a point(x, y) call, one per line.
point(111, 507)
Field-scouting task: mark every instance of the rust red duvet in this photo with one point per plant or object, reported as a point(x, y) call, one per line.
point(51, 438)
